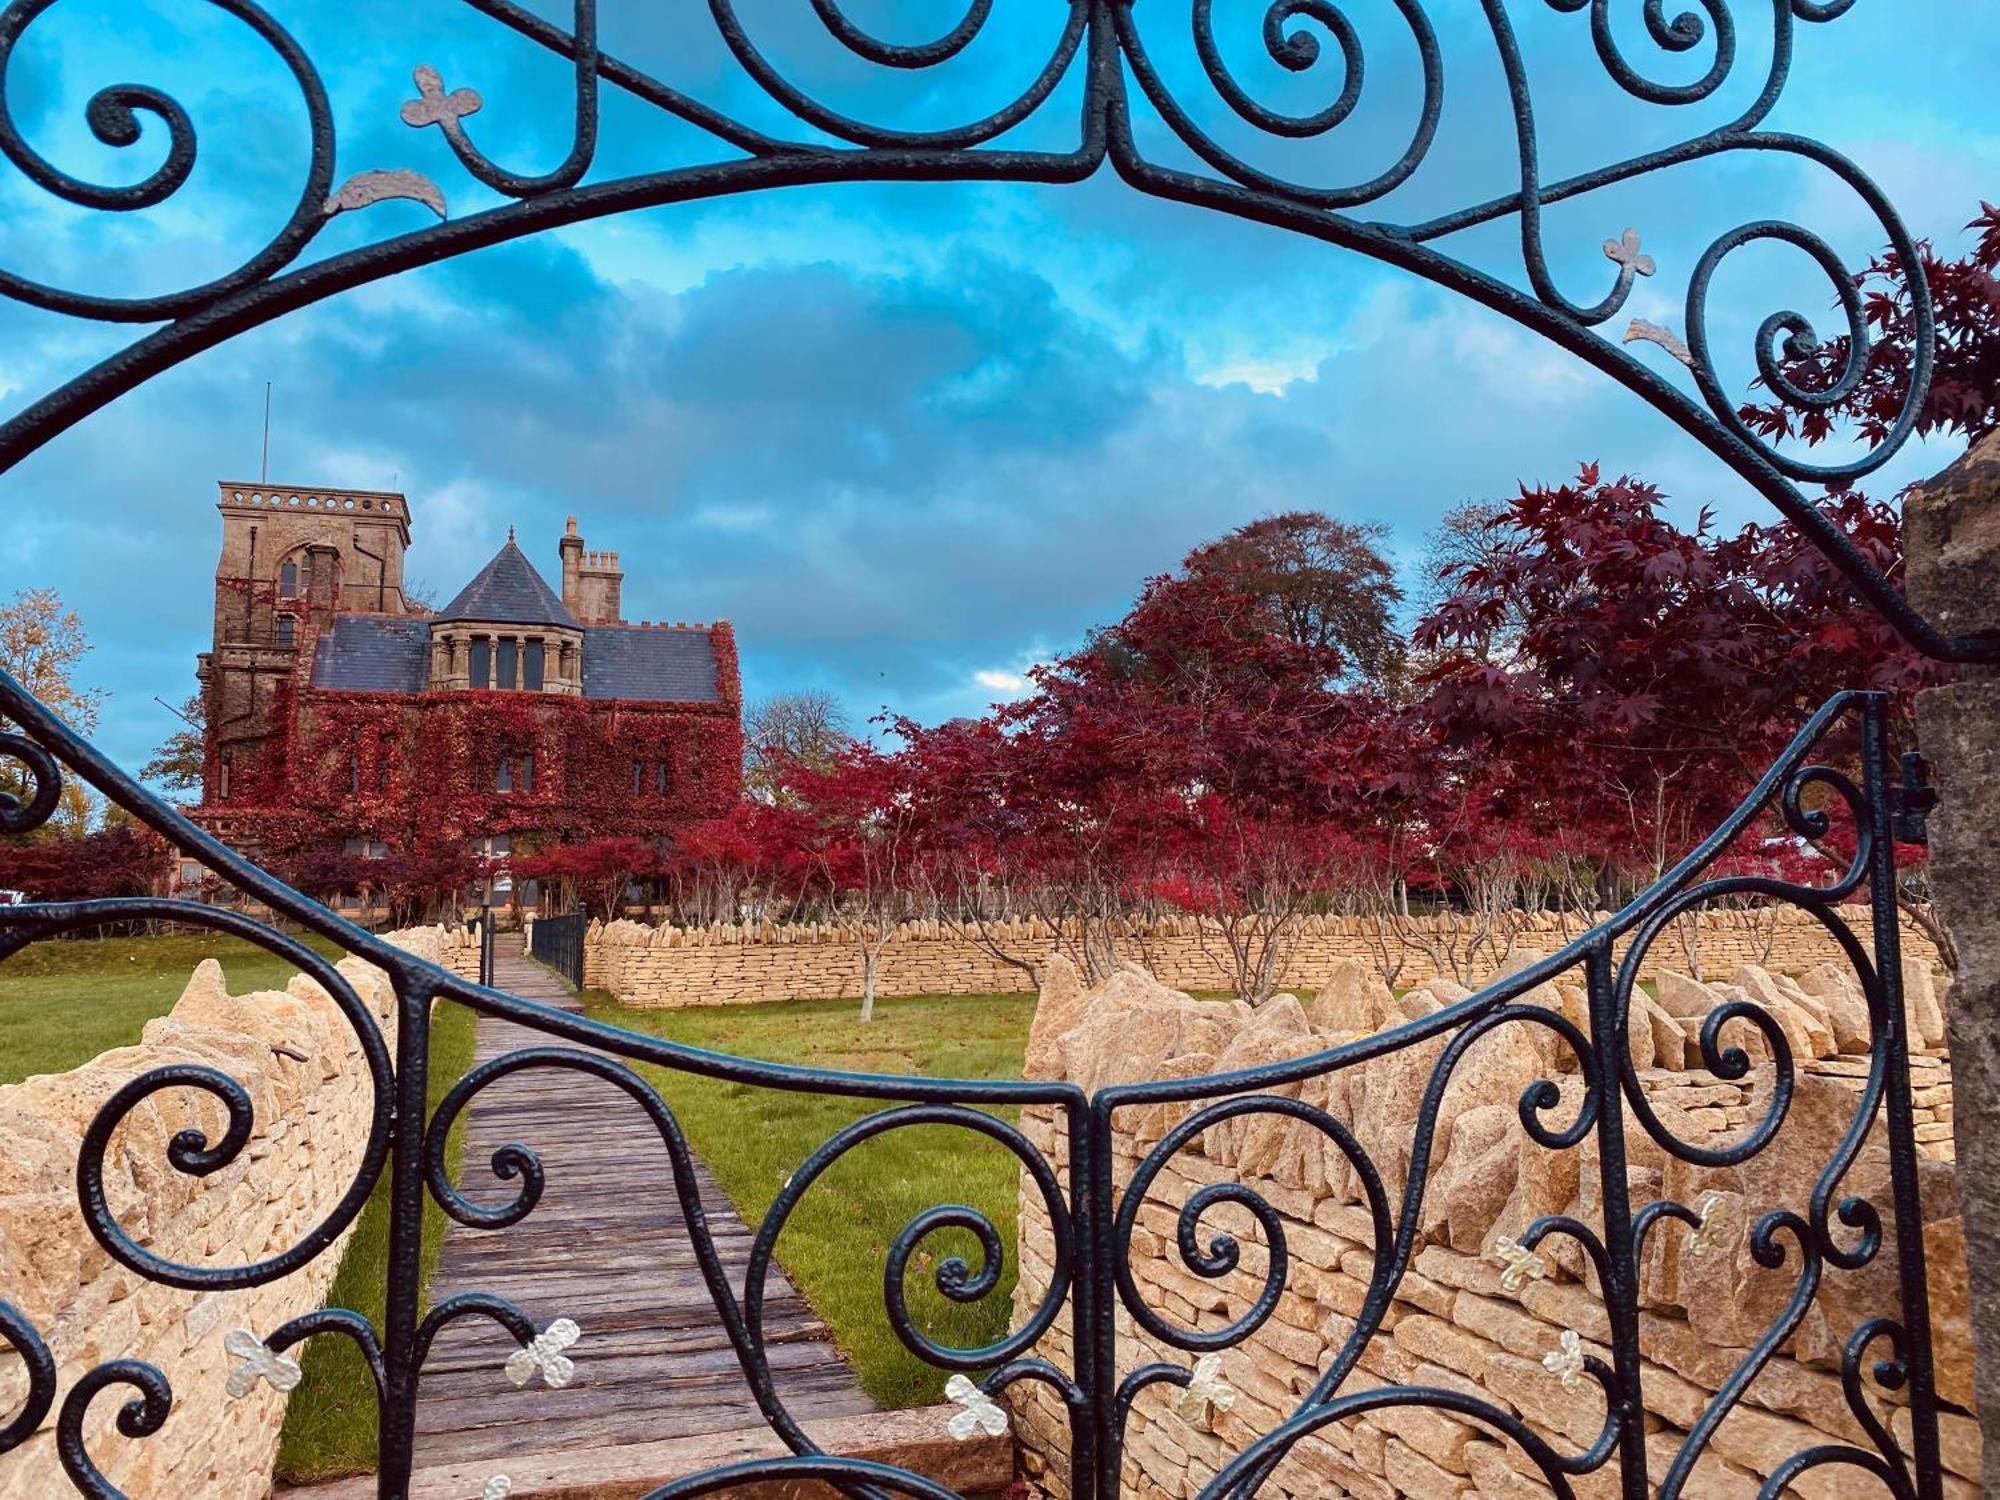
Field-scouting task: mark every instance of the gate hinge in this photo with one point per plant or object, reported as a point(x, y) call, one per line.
point(1911, 802)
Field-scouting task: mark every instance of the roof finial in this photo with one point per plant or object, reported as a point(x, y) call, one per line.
point(510, 533)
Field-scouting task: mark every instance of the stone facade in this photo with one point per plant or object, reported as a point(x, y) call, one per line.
point(745, 964)
point(340, 712)
point(1456, 1323)
point(296, 1055)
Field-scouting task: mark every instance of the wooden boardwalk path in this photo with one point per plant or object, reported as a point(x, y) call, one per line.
point(607, 1247)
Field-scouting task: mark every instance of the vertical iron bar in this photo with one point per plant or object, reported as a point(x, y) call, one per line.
point(397, 1420)
point(1096, 1277)
point(1621, 1272)
point(1878, 784)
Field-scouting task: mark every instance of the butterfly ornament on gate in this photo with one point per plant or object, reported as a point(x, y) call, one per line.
point(980, 1412)
point(255, 1361)
point(543, 1355)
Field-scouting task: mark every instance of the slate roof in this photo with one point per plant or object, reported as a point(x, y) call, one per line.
point(508, 591)
point(374, 654)
point(656, 666)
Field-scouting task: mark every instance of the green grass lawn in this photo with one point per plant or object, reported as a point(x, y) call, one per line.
point(838, 1238)
point(330, 1420)
point(62, 1002)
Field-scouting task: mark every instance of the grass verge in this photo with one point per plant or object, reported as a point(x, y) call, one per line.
point(330, 1420)
point(64, 1001)
point(838, 1237)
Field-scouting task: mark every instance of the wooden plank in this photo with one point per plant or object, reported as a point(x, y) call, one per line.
point(913, 1440)
point(608, 1247)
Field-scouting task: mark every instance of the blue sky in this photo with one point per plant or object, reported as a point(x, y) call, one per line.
point(909, 439)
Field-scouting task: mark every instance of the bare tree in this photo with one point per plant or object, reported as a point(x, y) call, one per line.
point(798, 729)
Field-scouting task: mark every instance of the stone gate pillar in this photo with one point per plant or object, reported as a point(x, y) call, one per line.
point(1952, 525)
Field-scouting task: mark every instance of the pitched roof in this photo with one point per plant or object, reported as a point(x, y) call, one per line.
point(650, 665)
point(508, 591)
point(374, 654)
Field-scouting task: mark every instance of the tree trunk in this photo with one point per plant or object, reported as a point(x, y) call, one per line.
point(869, 959)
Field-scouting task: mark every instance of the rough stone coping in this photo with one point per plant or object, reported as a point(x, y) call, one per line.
point(914, 1440)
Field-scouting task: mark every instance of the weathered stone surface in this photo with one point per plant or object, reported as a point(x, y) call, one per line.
point(1681, 996)
point(1920, 1004)
point(1352, 999)
point(1839, 990)
point(1059, 1008)
point(1953, 578)
point(1468, 1192)
point(1453, 1324)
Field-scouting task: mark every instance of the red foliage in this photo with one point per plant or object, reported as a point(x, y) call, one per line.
point(1965, 382)
point(117, 861)
point(1658, 670)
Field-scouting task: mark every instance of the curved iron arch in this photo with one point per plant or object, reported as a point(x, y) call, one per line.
point(1105, 42)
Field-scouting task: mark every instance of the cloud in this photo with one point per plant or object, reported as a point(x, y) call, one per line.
point(909, 439)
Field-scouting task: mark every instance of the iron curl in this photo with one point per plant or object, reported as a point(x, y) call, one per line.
point(116, 115)
point(140, 1417)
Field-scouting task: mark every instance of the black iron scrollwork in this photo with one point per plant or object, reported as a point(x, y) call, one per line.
point(1104, 42)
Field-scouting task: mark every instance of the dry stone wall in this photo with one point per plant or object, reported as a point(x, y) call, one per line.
point(298, 1058)
point(750, 963)
point(1458, 1321)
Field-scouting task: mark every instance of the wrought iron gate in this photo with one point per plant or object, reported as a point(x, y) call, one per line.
point(1092, 1215)
point(1106, 48)
point(558, 942)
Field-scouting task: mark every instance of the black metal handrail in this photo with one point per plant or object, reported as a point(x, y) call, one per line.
point(558, 942)
point(484, 922)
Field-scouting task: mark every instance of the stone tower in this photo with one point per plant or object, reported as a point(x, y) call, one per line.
point(592, 582)
point(291, 558)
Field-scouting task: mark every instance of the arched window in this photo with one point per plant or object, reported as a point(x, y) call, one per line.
point(288, 580)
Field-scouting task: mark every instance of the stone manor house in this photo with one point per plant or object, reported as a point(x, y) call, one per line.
point(342, 717)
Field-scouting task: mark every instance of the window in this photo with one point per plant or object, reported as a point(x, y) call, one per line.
point(354, 773)
point(222, 777)
point(382, 753)
point(514, 773)
point(288, 580)
point(532, 660)
point(287, 629)
point(493, 851)
point(663, 778)
point(638, 777)
point(503, 673)
point(528, 773)
point(503, 775)
point(482, 662)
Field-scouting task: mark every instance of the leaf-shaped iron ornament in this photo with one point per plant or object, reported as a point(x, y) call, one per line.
point(379, 184)
point(543, 1355)
point(979, 1413)
point(1522, 1264)
point(1566, 1360)
point(255, 1361)
point(1206, 1390)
